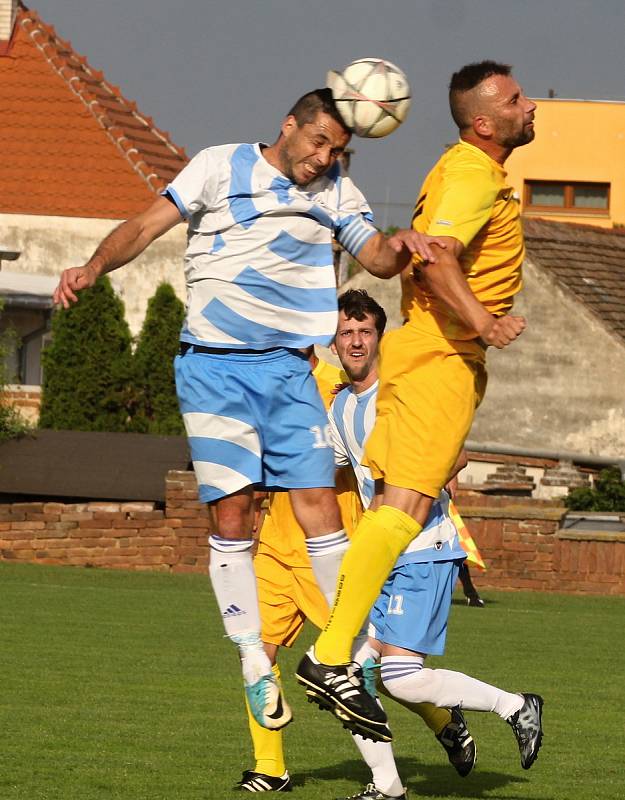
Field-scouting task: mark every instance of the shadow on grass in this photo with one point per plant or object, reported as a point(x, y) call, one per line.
point(422, 780)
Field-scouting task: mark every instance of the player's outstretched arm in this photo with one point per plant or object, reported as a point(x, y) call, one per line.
point(122, 245)
point(446, 280)
point(386, 256)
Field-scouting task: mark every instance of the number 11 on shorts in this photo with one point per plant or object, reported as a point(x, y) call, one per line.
point(396, 604)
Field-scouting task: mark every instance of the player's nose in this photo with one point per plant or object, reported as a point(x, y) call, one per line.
point(324, 157)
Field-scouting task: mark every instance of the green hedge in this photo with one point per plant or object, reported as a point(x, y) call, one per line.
point(155, 406)
point(88, 365)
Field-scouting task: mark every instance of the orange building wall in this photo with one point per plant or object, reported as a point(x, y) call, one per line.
point(576, 140)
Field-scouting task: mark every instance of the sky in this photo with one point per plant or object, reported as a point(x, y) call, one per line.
point(217, 71)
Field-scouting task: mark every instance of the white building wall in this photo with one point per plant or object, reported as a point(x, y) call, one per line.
point(50, 244)
point(559, 387)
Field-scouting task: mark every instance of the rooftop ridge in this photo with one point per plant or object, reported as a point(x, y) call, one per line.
point(567, 231)
point(82, 79)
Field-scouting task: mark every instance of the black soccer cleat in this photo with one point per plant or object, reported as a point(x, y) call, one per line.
point(341, 690)
point(370, 792)
point(475, 601)
point(458, 744)
point(528, 729)
point(259, 782)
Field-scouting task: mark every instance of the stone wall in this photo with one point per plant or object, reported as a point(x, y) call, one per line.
point(521, 540)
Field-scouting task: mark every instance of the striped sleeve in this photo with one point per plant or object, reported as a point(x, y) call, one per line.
point(194, 188)
point(355, 234)
point(355, 225)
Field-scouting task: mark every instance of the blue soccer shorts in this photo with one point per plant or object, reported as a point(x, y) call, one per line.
point(253, 419)
point(413, 607)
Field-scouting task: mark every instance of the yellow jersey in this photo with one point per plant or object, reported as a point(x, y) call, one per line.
point(466, 196)
point(281, 535)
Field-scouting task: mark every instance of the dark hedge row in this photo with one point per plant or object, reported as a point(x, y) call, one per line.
point(92, 379)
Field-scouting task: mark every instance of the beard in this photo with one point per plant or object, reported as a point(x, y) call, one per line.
point(286, 163)
point(517, 138)
point(287, 166)
point(358, 371)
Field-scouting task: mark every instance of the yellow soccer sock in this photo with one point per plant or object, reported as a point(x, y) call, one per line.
point(434, 717)
point(268, 749)
point(379, 539)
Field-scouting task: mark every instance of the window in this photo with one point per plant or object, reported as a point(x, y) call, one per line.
point(571, 198)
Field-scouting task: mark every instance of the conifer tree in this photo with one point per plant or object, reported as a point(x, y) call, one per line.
point(12, 424)
point(155, 405)
point(87, 365)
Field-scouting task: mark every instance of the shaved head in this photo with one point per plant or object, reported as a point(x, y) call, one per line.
point(470, 90)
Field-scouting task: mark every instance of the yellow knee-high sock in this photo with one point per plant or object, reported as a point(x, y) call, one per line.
point(268, 749)
point(434, 717)
point(380, 537)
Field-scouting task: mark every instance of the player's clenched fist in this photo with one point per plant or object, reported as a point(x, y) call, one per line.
point(503, 330)
point(72, 281)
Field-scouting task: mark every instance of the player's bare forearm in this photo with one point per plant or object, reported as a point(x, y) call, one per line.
point(386, 256)
point(446, 280)
point(121, 246)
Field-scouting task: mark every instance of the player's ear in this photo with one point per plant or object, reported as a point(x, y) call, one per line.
point(289, 124)
point(333, 348)
point(482, 125)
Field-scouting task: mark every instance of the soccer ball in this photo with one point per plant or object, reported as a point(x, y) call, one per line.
point(372, 96)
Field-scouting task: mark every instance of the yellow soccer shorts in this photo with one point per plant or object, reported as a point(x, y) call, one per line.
point(429, 390)
point(287, 597)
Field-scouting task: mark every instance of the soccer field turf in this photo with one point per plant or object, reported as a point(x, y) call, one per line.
point(121, 685)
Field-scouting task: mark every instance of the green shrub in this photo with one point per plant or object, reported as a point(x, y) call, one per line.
point(12, 423)
point(608, 493)
point(87, 365)
point(155, 406)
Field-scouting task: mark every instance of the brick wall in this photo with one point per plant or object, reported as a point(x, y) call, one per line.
point(26, 399)
point(525, 548)
point(103, 534)
point(521, 541)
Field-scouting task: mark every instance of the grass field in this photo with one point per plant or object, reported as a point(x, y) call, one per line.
point(121, 685)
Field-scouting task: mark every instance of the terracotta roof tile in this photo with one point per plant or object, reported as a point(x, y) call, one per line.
point(71, 143)
point(587, 261)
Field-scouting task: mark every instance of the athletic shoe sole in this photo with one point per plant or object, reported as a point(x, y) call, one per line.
point(352, 722)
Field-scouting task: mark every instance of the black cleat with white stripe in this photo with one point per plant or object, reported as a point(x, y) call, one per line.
point(259, 782)
point(458, 744)
point(341, 690)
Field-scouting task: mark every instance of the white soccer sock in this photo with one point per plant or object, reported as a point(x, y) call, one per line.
point(362, 649)
point(234, 584)
point(406, 679)
point(378, 756)
point(326, 553)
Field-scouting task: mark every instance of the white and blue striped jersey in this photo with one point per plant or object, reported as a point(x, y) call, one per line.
point(351, 417)
point(258, 265)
